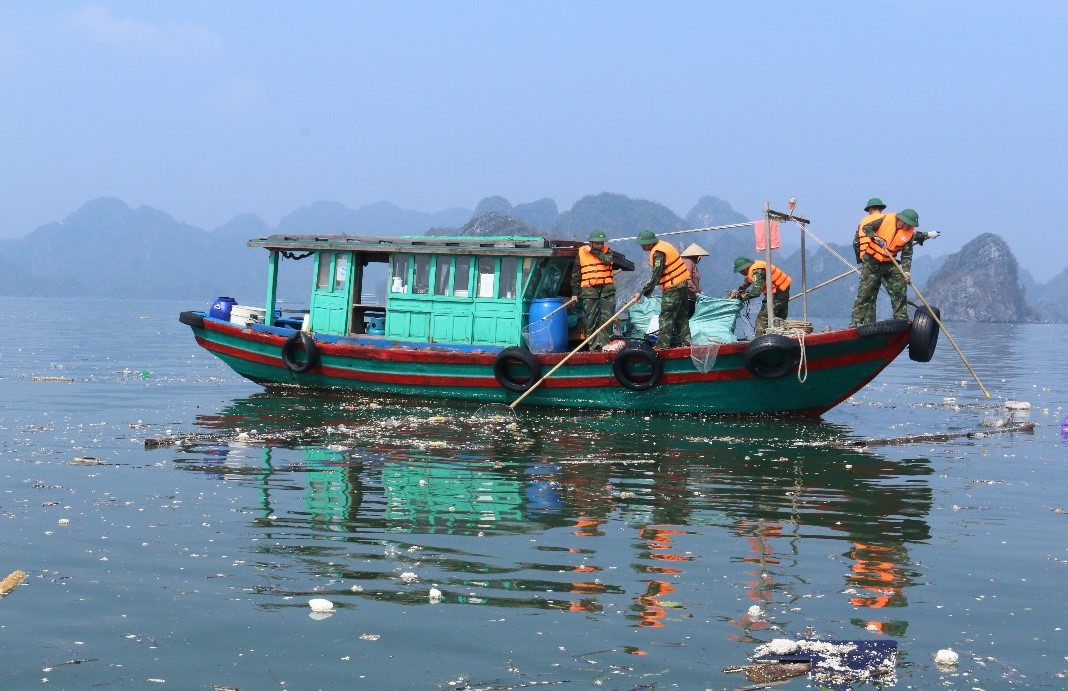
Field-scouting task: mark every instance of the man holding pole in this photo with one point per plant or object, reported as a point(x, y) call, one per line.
point(887, 236)
point(593, 284)
point(671, 275)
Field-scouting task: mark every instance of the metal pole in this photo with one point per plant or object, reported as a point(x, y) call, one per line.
point(804, 276)
point(767, 266)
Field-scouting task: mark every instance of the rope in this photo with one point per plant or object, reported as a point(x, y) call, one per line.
point(691, 230)
point(794, 328)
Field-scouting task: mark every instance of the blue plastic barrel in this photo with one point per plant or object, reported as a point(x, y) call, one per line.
point(376, 323)
point(547, 326)
point(221, 308)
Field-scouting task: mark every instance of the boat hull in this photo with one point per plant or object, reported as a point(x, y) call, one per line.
point(836, 364)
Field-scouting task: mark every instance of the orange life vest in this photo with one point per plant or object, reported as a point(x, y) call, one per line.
point(779, 280)
point(895, 239)
point(675, 272)
point(593, 272)
point(862, 238)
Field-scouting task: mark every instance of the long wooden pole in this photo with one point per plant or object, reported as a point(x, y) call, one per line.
point(827, 282)
point(567, 357)
point(938, 321)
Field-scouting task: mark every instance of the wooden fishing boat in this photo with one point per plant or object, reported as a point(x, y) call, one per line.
point(458, 319)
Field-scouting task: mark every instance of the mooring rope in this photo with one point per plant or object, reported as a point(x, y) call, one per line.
point(795, 328)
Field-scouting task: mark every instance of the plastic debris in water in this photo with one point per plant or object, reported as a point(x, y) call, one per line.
point(145, 374)
point(946, 658)
point(434, 595)
point(838, 664)
point(13, 580)
point(321, 604)
point(409, 577)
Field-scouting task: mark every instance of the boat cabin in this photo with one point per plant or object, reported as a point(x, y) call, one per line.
point(457, 291)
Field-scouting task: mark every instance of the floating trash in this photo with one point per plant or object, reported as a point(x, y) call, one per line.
point(434, 595)
point(946, 657)
point(321, 604)
point(837, 664)
point(13, 580)
point(409, 577)
point(64, 521)
point(1017, 405)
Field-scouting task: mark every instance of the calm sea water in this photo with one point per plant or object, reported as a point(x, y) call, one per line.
point(575, 549)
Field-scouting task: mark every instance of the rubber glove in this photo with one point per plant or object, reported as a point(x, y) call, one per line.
point(933, 234)
point(880, 242)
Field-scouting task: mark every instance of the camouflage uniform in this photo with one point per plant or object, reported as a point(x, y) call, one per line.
point(598, 302)
point(780, 301)
point(874, 273)
point(674, 324)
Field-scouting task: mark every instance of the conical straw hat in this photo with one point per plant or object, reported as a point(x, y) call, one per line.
point(694, 250)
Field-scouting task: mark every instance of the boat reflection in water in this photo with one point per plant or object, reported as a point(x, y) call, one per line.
point(661, 518)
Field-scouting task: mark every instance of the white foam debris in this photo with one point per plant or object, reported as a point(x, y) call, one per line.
point(755, 612)
point(946, 658)
point(1017, 405)
point(409, 577)
point(434, 595)
point(321, 604)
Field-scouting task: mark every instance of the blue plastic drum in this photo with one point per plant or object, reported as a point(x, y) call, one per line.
point(547, 326)
point(221, 308)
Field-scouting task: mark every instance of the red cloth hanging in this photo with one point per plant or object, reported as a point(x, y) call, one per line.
point(758, 229)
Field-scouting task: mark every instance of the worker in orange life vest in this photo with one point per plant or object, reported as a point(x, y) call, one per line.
point(872, 211)
point(592, 282)
point(888, 236)
point(755, 273)
point(668, 271)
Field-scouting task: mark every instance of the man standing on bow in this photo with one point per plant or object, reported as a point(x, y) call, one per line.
point(671, 275)
point(755, 273)
point(595, 287)
point(888, 236)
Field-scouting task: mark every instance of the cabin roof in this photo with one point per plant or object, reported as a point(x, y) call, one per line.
point(417, 243)
point(521, 246)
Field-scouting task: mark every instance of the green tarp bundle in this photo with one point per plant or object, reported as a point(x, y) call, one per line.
point(712, 322)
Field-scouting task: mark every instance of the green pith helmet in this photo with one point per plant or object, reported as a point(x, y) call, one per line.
point(598, 236)
point(647, 237)
point(910, 217)
point(742, 264)
point(875, 203)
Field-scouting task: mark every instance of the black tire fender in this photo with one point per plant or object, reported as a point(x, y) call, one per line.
point(885, 327)
point(640, 353)
point(772, 356)
point(301, 339)
point(193, 319)
point(511, 358)
point(923, 338)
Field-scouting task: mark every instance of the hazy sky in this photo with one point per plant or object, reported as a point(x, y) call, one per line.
point(207, 110)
